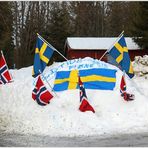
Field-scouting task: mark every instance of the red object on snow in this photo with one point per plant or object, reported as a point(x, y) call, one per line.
point(5, 76)
point(124, 94)
point(84, 106)
point(40, 93)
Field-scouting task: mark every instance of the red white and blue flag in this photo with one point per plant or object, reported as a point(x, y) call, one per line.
point(122, 86)
point(40, 93)
point(5, 76)
point(124, 94)
point(84, 106)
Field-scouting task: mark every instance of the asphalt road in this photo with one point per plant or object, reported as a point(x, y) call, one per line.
point(18, 140)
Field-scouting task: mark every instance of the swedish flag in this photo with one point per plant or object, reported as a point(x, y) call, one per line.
point(66, 80)
point(43, 54)
point(95, 78)
point(120, 53)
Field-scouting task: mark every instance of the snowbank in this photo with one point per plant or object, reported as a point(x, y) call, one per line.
point(20, 113)
point(140, 65)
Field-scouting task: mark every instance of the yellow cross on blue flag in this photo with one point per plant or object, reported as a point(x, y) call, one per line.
point(43, 54)
point(119, 52)
point(95, 78)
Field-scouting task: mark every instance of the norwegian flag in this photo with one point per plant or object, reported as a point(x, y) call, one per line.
point(5, 76)
point(122, 86)
point(84, 106)
point(41, 94)
point(124, 94)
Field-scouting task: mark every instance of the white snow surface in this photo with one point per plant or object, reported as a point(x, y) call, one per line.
point(20, 113)
point(96, 43)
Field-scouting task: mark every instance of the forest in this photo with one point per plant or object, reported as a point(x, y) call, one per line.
point(57, 20)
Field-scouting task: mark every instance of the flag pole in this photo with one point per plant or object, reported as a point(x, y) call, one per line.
point(51, 46)
point(112, 45)
point(48, 83)
point(6, 65)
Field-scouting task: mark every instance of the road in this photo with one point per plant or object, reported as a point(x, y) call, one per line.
point(18, 140)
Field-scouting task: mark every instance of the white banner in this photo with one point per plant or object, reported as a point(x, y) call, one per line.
point(79, 64)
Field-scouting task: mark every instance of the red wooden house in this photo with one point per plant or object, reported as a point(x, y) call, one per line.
point(80, 47)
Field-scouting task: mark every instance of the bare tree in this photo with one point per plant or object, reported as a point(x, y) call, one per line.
point(29, 18)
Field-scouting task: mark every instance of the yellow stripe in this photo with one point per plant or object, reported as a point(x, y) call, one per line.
point(59, 81)
point(33, 71)
point(119, 47)
point(36, 50)
point(119, 58)
point(97, 78)
point(42, 50)
point(73, 79)
point(131, 68)
point(125, 49)
point(121, 50)
point(86, 79)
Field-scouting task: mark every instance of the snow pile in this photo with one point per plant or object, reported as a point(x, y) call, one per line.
point(20, 113)
point(140, 65)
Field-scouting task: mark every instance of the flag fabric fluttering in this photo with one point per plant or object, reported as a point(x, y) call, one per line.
point(43, 54)
point(5, 76)
point(84, 106)
point(120, 54)
point(124, 94)
point(95, 78)
point(40, 93)
point(66, 80)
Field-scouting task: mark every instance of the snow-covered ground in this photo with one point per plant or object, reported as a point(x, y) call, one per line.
point(20, 113)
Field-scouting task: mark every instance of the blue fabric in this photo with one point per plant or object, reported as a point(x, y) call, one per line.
point(2, 78)
point(96, 83)
point(98, 71)
point(125, 63)
point(41, 53)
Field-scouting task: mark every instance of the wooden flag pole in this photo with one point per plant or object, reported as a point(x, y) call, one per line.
point(112, 45)
point(51, 46)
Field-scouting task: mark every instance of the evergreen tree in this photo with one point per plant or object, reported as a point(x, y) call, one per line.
point(84, 18)
point(140, 25)
point(88, 18)
point(59, 28)
point(119, 18)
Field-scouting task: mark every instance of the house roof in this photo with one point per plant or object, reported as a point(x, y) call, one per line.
point(96, 43)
